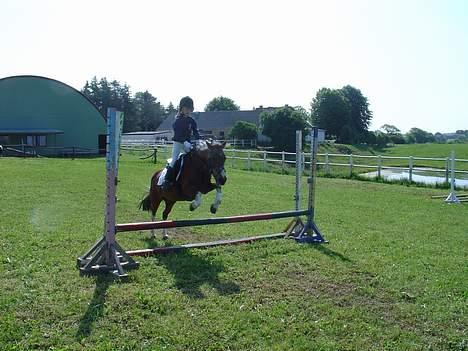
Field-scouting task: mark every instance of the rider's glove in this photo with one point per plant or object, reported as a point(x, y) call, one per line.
point(187, 146)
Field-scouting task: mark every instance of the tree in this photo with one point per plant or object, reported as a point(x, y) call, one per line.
point(381, 139)
point(281, 125)
point(142, 112)
point(149, 111)
point(390, 129)
point(439, 138)
point(416, 135)
point(360, 113)
point(393, 133)
point(344, 113)
point(170, 109)
point(243, 130)
point(330, 110)
point(221, 103)
point(106, 94)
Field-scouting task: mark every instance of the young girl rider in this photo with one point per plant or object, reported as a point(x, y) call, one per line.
point(184, 128)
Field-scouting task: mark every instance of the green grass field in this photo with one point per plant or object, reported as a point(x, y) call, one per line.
point(394, 276)
point(416, 150)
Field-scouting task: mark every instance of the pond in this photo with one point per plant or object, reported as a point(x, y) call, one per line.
point(419, 178)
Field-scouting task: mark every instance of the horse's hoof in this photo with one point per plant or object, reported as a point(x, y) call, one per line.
point(165, 237)
point(192, 208)
point(213, 209)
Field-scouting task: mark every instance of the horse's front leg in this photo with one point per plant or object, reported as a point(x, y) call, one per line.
point(217, 201)
point(197, 202)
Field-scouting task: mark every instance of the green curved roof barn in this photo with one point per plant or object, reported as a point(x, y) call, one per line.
point(48, 114)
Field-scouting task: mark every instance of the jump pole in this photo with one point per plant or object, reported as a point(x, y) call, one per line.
point(303, 233)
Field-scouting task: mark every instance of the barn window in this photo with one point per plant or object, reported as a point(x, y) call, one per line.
point(36, 140)
point(41, 140)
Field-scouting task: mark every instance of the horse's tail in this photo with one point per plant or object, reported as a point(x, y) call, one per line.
point(145, 204)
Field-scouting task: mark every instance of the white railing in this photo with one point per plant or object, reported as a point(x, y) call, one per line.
point(264, 159)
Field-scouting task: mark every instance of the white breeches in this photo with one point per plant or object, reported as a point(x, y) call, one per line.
point(177, 149)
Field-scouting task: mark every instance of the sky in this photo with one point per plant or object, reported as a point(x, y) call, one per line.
point(408, 57)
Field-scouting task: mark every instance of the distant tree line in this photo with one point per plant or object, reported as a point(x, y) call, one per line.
point(344, 113)
point(143, 111)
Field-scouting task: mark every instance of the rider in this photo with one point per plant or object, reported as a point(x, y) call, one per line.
point(184, 128)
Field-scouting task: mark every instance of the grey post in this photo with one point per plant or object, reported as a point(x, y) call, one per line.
point(297, 196)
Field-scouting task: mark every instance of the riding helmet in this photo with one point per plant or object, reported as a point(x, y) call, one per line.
point(186, 101)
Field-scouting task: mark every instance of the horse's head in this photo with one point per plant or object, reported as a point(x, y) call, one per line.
point(215, 159)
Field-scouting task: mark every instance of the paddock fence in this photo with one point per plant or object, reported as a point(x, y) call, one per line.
point(332, 164)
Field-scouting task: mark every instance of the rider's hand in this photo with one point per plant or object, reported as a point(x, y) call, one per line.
point(187, 146)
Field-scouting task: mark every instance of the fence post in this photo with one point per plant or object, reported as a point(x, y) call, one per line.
point(155, 155)
point(452, 198)
point(447, 170)
point(327, 164)
point(248, 161)
point(282, 161)
point(242, 143)
point(233, 160)
point(264, 160)
point(411, 169)
point(303, 168)
point(379, 166)
point(350, 165)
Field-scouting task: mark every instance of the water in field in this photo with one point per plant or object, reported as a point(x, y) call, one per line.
point(419, 178)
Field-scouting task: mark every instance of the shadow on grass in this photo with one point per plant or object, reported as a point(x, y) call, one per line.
point(329, 252)
point(96, 306)
point(191, 271)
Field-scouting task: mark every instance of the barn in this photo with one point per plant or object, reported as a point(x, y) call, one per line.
point(40, 115)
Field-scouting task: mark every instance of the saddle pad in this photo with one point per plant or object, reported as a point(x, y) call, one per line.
point(162, 176)
point(177, 168)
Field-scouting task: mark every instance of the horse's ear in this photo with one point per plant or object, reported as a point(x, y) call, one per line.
point(223, 144)
point(209, 143)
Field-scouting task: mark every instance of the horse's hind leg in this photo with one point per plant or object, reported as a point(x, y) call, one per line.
point(155, 202)
point(167, 210)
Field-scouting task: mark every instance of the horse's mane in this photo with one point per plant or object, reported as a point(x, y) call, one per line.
point(201, 145)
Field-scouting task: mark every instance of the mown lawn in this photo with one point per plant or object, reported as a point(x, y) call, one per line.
point(394, 276)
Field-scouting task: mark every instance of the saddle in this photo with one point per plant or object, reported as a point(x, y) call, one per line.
point(178, 167)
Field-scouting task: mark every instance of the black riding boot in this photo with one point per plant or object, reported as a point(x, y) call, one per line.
point(169, 178)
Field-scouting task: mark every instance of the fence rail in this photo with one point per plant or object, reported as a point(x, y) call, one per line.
point(265, 160)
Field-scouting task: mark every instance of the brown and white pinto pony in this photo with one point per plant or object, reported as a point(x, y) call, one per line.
point(204, 162)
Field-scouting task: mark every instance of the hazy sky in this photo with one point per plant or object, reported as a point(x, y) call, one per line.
point(408, 57)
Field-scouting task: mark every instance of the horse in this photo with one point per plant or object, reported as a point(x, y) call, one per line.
point(204, 162)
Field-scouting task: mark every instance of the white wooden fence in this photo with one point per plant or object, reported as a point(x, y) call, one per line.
point(349, 163)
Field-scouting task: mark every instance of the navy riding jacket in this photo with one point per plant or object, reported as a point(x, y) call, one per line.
point(184, 128)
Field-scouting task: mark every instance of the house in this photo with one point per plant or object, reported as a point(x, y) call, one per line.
point(217, 124)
